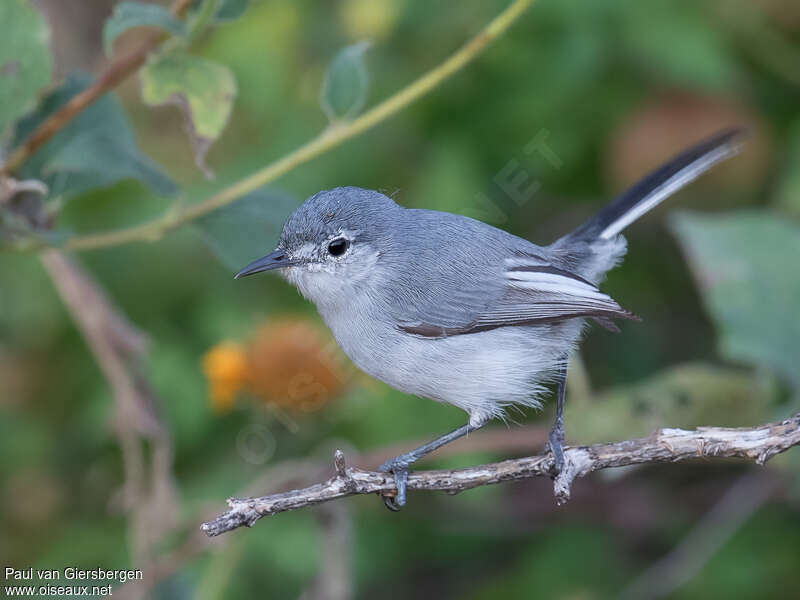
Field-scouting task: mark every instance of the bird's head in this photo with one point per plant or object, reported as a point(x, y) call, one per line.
point(331, 244)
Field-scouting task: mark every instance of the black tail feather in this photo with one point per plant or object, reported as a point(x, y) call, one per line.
point(660, 184)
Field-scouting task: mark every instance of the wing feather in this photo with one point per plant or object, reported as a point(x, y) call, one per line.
point(533, 292)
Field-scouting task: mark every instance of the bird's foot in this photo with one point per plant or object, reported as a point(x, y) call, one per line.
point(398, 467)
point(556, 446)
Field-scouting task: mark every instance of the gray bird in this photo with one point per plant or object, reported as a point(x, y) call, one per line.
point(450, 308)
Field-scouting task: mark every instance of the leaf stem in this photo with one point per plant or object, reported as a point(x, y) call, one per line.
point(329, 138)
point(202, 17)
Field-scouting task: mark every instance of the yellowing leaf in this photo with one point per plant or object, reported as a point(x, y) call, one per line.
point(372, 19)
point(202, 89)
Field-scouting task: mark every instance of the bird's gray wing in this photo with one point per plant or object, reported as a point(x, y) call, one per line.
point(530, 291)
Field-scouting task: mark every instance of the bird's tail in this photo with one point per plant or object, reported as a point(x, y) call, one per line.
point(659, 185)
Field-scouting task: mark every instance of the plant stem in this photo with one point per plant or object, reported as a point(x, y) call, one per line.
point(202, 17)
point(328, 139)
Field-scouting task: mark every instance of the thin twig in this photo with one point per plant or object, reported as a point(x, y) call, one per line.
point(665, 445)
point(328, 139)
point(117, 72)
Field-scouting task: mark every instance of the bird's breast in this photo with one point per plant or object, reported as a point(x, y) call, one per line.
point(471, 371)
point(366, 339)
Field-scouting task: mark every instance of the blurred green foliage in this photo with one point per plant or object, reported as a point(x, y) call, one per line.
point(25, 62)
point(96, 150)
point(344, 89)
point(128, 15)
point(613, 86)
point(742, 264)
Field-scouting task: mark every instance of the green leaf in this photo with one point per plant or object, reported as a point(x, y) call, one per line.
point(241, 232)
point(120, 161)
point(746, 268)
point(202, 89)
point(231, 9)
point(128, 15)
point(224, 10)
point(25, 64)
point(95, 150)
point(344, 89)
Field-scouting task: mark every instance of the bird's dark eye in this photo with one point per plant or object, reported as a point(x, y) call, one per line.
point(338, 246)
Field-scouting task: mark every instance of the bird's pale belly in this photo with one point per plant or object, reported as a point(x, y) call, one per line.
point(482, 373)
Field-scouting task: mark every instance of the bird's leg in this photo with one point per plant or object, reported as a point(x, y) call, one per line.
point(398, 465)
point(556, 443)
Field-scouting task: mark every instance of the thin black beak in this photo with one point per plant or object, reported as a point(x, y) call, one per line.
point(275, 260)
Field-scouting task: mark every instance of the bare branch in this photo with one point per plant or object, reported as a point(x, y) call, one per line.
point(665, 445)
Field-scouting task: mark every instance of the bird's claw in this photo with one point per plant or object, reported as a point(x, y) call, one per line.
point(390, 502)
point(399, 469)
